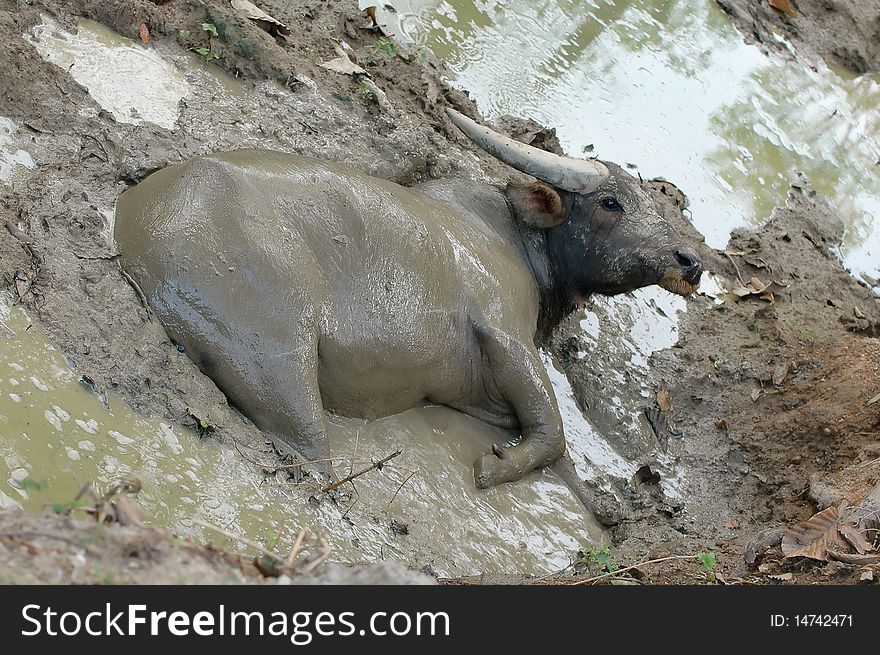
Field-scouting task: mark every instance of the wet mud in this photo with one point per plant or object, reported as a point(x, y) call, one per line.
point(722, 465)
point(842, 32)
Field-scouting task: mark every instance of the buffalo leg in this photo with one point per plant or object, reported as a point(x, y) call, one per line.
point(275, 385)
point(293, 414)
point(522, 380)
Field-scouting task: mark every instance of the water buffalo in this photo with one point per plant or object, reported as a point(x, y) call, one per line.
point(301, 286)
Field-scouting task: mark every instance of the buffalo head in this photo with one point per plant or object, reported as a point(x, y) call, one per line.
point(601, 230)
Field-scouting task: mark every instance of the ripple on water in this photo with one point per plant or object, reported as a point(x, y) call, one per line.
point(671, 86)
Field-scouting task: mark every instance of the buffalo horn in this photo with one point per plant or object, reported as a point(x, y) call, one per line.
point(577, 175)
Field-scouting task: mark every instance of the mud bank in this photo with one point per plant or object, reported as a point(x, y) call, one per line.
point(52, 549)
point(767, 403)
point(842, 32)
point(723, 462)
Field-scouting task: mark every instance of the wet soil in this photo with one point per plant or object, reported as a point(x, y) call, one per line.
point(758, 452)
point(48, 548)
point(771, 394)
point(842, 32)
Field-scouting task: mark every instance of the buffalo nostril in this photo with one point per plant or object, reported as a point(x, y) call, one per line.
point(691, 266)
point(692, 273)
point(686, 258)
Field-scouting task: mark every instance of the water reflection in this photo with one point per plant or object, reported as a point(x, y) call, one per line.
point(670, 86)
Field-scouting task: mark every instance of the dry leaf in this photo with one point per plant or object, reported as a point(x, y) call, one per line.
point(855, 538)
point(371, 13)
point(342, 64)
point(144, 33)
point(381, 98)
point(780, 373)
point(762, 542)
point(664, 400)
point(22, 286)
point(256, 14)
point(814, 537)
point(784, 6)
point(756, 287)
point(849, 558)
point(782, 577)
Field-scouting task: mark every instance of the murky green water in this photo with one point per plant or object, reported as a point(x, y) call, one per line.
point(670, 86)
point(54, 431)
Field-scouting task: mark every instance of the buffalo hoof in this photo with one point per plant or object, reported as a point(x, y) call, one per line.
point(491, 470)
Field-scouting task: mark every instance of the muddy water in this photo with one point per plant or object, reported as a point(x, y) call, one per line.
point(54, 431)
point(132, 83)
point(669, 87)
point(11, 157)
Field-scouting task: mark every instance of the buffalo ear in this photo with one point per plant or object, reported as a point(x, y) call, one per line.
point(537, 204)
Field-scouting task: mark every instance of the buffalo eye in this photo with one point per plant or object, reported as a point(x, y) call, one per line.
point(611, 204)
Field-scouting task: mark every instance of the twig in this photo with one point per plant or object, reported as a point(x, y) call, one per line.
point(240, 539)
point(296, 546)
point(320, 559)
point(100, 145)
point(19, 534)
point(349, 478)
point(281, 467)
point(137, 290)
point(552, 574)
point(108, 257)
point(405, 480)
point(18, 234)
point(634, 566)
point(738, 274)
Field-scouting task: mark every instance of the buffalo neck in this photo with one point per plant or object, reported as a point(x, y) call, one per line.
point(555, 298)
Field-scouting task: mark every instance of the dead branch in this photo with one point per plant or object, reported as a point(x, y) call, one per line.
point(349, 478)
point(321, 558)
point(634, 566)
point(137, 290)
point(297, 544)
point(238, 538)
point(23, 534)
point(405, 480)
point(729, 255)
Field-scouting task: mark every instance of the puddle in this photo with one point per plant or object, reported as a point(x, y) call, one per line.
point(52, 429)
point(532, 524)
point(10, 156)
point(593, 456)
point(129, 80)
point(670, 86)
